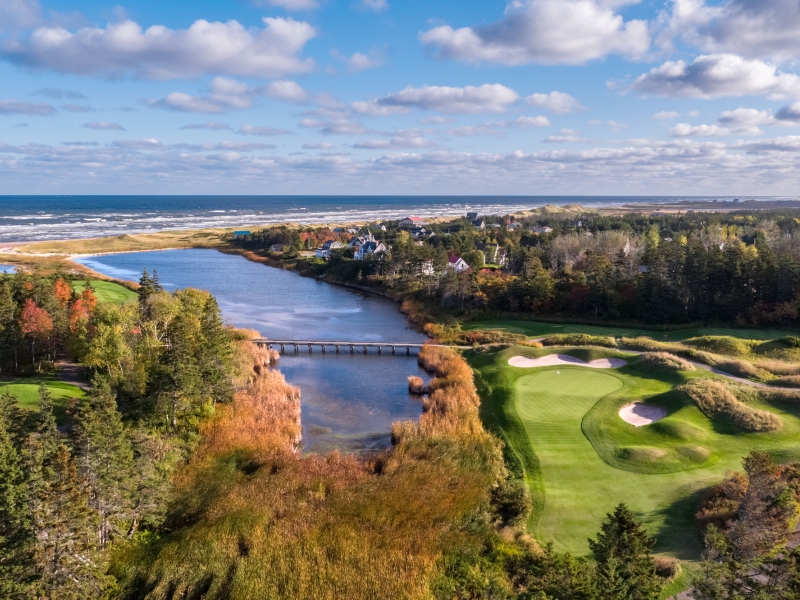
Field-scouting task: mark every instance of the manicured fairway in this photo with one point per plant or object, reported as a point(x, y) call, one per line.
point(108, 291)
point(26, 389)
point(540, 329)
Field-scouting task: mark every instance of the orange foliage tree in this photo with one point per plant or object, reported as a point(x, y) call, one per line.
point(36, 324)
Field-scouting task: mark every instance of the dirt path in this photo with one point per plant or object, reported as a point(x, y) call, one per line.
point(71, 373)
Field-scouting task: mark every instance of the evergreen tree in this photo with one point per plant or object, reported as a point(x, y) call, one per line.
point(46, 427)
point(156, 285)
point(625, 567)
point(105, 459)
point(145, 287)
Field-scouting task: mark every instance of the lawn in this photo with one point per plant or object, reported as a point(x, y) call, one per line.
point(579, 459)
point(540, 329)
point(26, 389)
point(108, 291)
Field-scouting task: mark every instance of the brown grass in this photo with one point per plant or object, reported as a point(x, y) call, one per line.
point(718, 402)
point(416, 385)
point(665, 360)
point(647, 344)
point(580, 339)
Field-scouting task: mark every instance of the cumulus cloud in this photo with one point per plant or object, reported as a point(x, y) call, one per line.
point(790, 113)
point(360, 61)
point(546, 32)
point(404, 138)
point(335, 126)
point(19, 14)
point(666, 115)
point(16, 107)
point(289, 91)
point(143, 144)
point(715, 75)
point(210, 125)
point(104, 126)
point(556, 102)
point(687, 130)
point(228, 94)
point(161, 53)
point(319, 146)
point(563, 139)
point(766, 29)
point(466, 100)
point(263, 131)
point(746, 121)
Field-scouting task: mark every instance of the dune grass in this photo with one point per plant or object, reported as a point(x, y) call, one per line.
point(579, 458)
point(541, 329)
point(26, 389)
point(108, 291)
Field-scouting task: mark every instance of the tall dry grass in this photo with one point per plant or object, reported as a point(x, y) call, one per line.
point(665, 360)
point(252, 519)
point(718, 402)
point(580, 339)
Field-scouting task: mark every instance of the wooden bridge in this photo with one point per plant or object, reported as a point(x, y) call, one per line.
point(281, 345)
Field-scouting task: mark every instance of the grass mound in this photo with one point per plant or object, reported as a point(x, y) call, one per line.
point(718, 402)
point(679, 430)
point(721, 344)
point(789, 381)
point(644, 453)
point(580, 339)
point(667, 361)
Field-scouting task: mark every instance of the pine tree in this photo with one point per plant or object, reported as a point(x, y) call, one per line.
point(156, 285)
point(145, 287)
point(46, 426)
point(624, 562)
point(16, 569)
point(105, 459)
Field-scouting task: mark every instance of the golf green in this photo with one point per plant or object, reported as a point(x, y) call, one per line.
point(108, 291)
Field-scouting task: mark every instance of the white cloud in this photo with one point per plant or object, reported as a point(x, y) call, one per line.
point(615, 126)
point(376, 5)
point(263, 130)
point(143, 144)
point(545, 31)
point(322, 146)
point(210, 125)
point(161, 53)
point(666, 115)
point(291, 5)
point(790, 113)
point(224, 94)
point(404, 138)
point(466, 100)
point(335, 126)
point(360, 61)
point(8, 107)
point(557, 102)
point(746, 121)
point(687, 130)
point(766, 29)
point(715, 75)
point(243, 146)
point(525, 122)
point(789, 143)
point(693, 113)
point(288, 91)
point(498, 128)
point(19, 14)
point(563, 139)
point(436, 120)
point(59, 94)
point(104, 126)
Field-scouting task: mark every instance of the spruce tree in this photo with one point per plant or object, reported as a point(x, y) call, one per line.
point(625, 567)
point(105, 459)
point(145, 287)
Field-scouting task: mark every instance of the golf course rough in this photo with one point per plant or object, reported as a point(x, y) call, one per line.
point(579, 459)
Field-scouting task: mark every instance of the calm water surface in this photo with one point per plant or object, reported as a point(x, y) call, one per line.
point(348, 401)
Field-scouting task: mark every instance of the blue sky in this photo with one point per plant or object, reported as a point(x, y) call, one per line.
point(388, 97)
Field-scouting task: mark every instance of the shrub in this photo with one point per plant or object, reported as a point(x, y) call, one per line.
point(718, 402)
point(667, 568)
point(721, 344)
point(664, 360)
point(580, 339)
point(648, 344)
point(490, 337)
point(790, 340)
point(416, 385)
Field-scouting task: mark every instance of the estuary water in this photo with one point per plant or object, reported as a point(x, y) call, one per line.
point(348, 401)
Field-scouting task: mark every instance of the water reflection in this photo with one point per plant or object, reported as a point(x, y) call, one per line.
point(349, 401)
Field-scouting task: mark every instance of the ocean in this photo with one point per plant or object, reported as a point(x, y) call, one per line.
point(37, 218)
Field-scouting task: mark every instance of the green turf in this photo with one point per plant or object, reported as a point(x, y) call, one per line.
point(26, 389)
point(541, 329)
point(108, 291)
point(580, 459)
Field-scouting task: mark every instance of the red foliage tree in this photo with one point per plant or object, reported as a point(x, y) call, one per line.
point(63, 292)
point(89, 299)
point(78, 314)
point(35, 322)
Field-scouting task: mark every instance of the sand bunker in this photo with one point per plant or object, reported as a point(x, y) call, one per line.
point(638, 414)
point(553, 360)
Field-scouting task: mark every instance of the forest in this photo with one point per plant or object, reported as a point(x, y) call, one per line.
point(734, 268)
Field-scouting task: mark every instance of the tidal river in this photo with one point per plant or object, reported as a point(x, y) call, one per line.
point(348, 401)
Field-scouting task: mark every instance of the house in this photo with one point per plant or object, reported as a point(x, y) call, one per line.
point(472, 216)
point(479, 224)
point(327, 247)
point(514, 226)
point(239, 234)
point(418, 232)
point(457, 264)
point(411, 222)
point(278, 248)
point(495, 225)
point(541, 230)
point(494, 254)
point(352, 231)
point(375, 248)
point(427, 268)
point(361, 240)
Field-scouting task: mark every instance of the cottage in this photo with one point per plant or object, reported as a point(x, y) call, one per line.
point(472, 216)
point(279, 248)
point(427, 267)
point(418, 232)
point(374, 248)
point(514, 226)
point(479, 224)
point(411, 222)
point(361, 240)
point(327, 247)
point(457, 264)
point(542, 230)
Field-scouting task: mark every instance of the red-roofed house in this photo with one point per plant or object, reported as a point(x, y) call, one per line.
point(457, 264)
point(411, 222)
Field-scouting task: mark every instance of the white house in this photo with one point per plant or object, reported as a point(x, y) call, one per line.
point(359, 241)
point(541, 230)
point(374, 248)
point(457, 264)
point(411, 222)
point(325, 251)
point(427, 268)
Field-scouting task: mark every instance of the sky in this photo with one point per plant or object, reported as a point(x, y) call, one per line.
point(485, 97)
